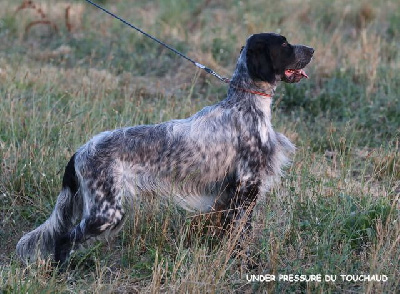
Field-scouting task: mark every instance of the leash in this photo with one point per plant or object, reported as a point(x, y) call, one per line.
point(199, 65)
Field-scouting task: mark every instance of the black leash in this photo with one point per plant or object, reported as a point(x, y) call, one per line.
point(199, 65)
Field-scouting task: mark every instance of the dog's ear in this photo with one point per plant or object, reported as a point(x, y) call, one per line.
point(259, 64)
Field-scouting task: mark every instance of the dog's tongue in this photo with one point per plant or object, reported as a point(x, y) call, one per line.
point(296, 73)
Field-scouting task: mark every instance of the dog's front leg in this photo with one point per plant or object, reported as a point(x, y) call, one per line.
point(239, 214)
point(242, 204)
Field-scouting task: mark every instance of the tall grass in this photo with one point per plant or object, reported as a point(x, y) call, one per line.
point(336, 211)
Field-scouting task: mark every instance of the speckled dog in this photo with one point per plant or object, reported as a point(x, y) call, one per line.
point(221, 158)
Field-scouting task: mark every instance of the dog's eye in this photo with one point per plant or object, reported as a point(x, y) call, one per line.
point(284, 44)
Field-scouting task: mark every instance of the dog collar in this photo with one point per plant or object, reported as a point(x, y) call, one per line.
point(248, 90)
point(255, 92)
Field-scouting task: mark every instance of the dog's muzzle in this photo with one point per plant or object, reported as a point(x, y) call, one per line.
point(294, 72)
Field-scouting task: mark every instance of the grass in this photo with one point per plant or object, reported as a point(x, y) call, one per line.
point(336, 211)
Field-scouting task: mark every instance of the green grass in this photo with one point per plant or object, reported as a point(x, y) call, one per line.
point(336, 211)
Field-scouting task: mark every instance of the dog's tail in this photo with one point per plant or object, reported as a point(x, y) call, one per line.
point(40, 242)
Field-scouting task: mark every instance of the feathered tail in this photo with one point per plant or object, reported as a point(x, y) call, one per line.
point(40, 242)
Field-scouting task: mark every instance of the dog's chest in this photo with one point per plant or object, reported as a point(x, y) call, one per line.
point(280, 158)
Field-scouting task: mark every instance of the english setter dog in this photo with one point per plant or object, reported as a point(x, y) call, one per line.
point(219, 159)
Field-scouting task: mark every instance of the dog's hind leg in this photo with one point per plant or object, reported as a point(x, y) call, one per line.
point(104, 220)
point(90, 227)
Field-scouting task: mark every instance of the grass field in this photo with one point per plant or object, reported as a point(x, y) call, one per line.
point(335, 213)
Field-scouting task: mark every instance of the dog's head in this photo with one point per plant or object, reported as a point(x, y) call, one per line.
point(270, 58)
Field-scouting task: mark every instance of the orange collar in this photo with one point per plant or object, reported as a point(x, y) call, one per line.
point(256, 92)
point(248, 90)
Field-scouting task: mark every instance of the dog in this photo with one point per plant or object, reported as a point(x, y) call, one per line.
point(220, 159)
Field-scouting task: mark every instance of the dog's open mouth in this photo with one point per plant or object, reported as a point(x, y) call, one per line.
point(294, 75)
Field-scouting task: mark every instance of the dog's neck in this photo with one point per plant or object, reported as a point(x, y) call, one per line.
point(241, 80)
point(243, 88)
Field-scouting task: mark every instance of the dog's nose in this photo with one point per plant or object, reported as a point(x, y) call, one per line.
point(311, 50)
